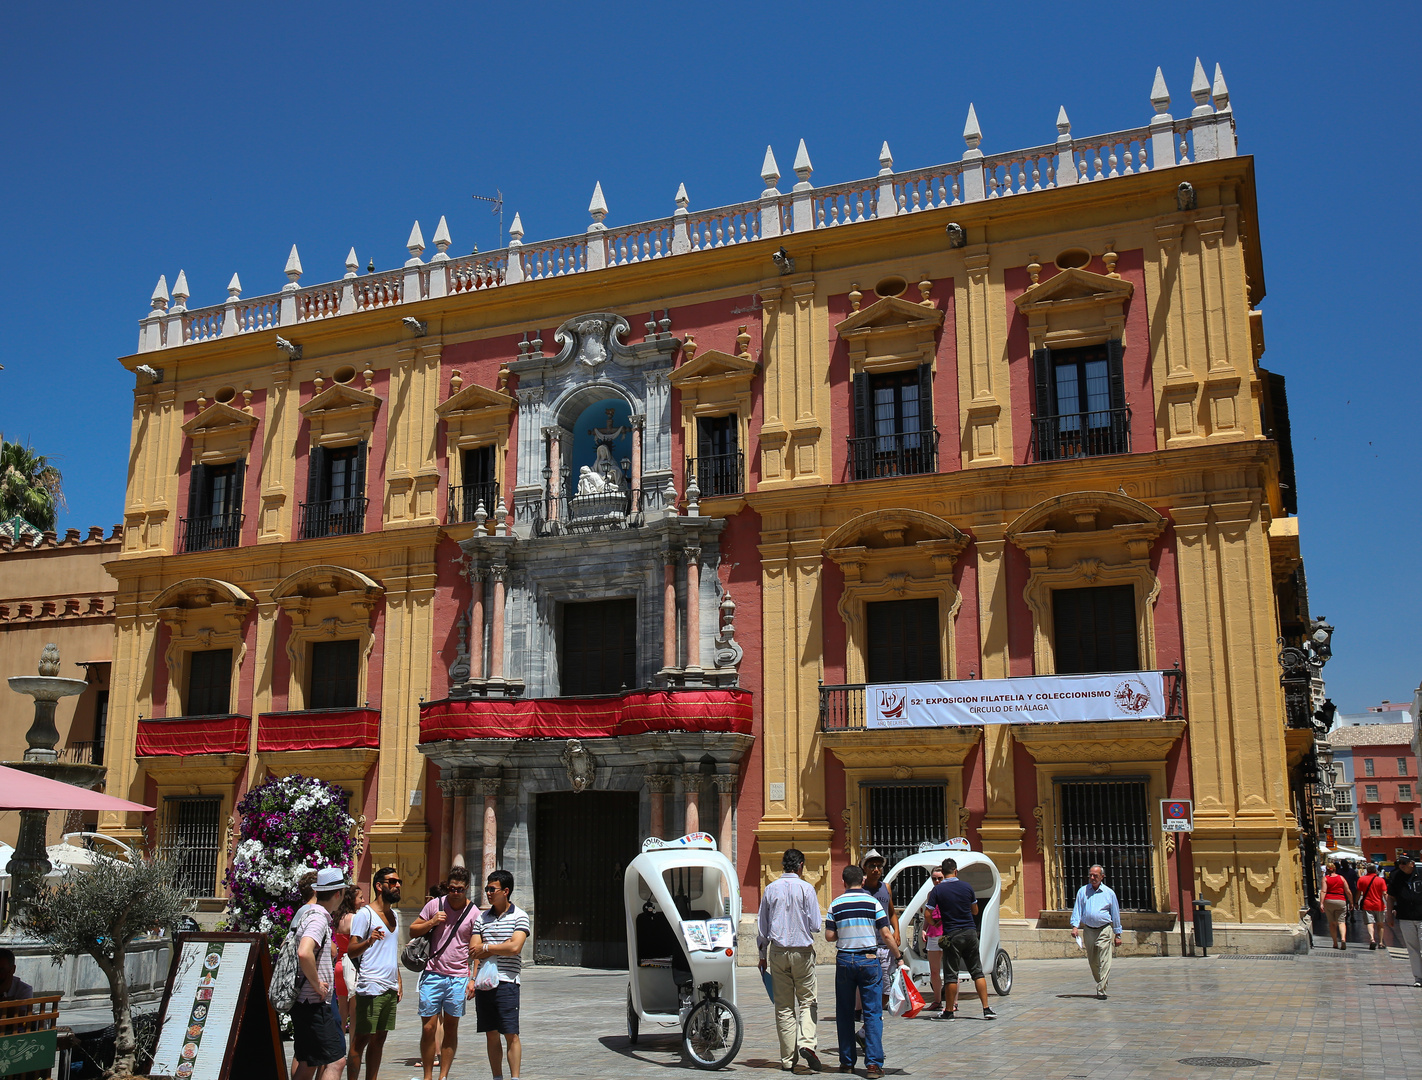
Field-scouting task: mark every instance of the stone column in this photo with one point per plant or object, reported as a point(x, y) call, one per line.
point(500, 574)
point(639, 424)
point(553, 437)
point(669, 612)
point(476, 623)
point(490, 785)
point(726, 798)
point(461, 822)
point(446, 832)
point(693, 612)
point(658, 784)
point(692, 779)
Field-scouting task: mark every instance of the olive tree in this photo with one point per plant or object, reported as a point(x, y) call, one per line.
point(100, 911)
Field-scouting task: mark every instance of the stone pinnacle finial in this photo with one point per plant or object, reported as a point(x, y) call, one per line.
point(803, 168)
point(1199, 84)
point(769, 170)
point(1159, 95)
point(160, 292)
point(49, 661)
point(1220, 91)
point(683, 200)
point(441, 237)
point(352, 264)
point(598, 207)
point(416, 243)
point(886, 159)
point(181, 292)
point(516, 230)
point(972, 133)
point(293, 266)
point(1063, 124)
point(234, 287)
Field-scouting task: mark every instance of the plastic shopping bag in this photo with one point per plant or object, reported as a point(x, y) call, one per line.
point(914, 998)
point(898, 999)
point(488, 976)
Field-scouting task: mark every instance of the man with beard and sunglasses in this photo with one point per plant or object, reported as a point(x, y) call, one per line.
point(375, 948)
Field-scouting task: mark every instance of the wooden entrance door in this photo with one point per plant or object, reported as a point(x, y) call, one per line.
point(583, 843)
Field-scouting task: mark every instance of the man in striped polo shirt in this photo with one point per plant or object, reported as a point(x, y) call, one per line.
point(499, 934)
point(857, 924)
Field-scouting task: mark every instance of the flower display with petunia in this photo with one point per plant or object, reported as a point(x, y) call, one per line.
point(290, 825)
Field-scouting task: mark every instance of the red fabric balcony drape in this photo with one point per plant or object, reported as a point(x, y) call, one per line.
point(186, 736)
point(323, 729)
point(632, 713)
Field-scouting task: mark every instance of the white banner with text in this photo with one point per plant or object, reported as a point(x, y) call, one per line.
point(1136, 695)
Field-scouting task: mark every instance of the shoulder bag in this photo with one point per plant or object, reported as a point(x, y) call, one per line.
point(416, 955)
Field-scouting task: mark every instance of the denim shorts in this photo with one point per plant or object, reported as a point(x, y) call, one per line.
point(442, 994)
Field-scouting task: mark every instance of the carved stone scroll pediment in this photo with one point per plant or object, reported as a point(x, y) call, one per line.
point(891, 334)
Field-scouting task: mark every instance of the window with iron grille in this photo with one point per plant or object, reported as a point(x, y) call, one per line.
point(101, 726)
point(335, 492)
point(895, 819)
point(893, 424)
point(1095, 629)
point(214, 506)
point(718, 460)
point(903, 641)
point(1106, 822)
point(599, 654)
point(1080, 403)
point(335, 675)
point(479, 485)
point(209, 683)
point(192, 832)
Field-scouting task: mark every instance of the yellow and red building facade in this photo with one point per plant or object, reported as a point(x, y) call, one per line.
point(538, 552)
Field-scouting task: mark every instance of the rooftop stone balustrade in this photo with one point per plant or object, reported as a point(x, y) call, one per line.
point(1207, 133)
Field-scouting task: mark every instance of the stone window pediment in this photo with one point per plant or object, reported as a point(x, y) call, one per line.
point(326, 603)
point(341, 415)
point(891, 334)
point(1074, 308)
point(220, 433)
point(714, 370)
point(201, 614)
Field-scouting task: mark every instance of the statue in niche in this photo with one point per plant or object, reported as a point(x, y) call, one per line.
point(590, 483)
point(605, 464)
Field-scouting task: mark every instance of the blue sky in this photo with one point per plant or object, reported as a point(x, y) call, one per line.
point(142, 140)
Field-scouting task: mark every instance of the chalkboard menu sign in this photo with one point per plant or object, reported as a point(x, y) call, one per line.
point(216, 1011)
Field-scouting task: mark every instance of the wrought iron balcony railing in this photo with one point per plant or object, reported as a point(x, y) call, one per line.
point(557, 514)
point(464, 501)
point(211, 532)
point(1078, 435)
point(905, 454)
point(333, 517)
point(718, 474)
point(843, 708)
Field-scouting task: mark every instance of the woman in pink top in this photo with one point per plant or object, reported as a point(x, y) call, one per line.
point(933, 941)
point(1337, 898)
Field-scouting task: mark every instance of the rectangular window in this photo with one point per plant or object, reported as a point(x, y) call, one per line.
point(1404, 792)
point(335, 492)
point(599, 653)
point(1080, 403)
point(1402, 766)
point(903, 641)
point(1343, 798)
point(335, 675)
point(1374, 824)
point(1095, 629)
point(1409, 825)
point(192, 831)
point(101, 726)
point(897, 818)
point(893, 424)
point(209, 683)
point(1368, 767)
point(479, 485)
point(1106, 822)
point(1370, 792)
point(1343, 827)
point(214, 507)
point(719, 465)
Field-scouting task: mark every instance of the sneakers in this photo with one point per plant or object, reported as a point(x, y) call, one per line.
point(874, 1072)
point(948, 1014)
point(1100, 996)
point(812, 1059)
point(988, 1014)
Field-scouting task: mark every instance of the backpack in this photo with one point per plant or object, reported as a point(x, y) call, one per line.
point(287, 975)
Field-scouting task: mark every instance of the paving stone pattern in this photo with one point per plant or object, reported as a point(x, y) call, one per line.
point(1351, 1015)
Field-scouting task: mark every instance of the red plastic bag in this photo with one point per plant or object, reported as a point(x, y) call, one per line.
point(904, 998)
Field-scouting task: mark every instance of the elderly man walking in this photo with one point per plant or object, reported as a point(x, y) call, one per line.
point(1097, 915)
point(788, 922)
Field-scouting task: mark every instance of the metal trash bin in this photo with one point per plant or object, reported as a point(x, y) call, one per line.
point(1204, 926)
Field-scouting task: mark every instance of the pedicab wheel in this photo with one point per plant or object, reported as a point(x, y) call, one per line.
point(713, 1032)
point(631, 1020)
point(1002, 973)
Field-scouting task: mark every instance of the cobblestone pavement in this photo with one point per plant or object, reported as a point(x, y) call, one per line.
point(1326, 1016)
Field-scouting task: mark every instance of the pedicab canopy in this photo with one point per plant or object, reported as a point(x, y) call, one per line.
point(20, 790)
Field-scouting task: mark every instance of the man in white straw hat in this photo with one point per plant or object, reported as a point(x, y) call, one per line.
point(319, 1046)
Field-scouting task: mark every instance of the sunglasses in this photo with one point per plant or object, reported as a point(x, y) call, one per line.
point(492, 889)
point(456, 888)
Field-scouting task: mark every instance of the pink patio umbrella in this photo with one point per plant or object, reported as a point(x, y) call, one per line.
point(20, 790)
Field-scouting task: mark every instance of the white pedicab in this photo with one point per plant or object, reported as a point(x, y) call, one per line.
point(977, 870)
point(683, 908)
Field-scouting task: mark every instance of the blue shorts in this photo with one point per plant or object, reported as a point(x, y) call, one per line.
point(442, 994)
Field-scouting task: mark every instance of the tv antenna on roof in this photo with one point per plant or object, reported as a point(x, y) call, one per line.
point(497, 207)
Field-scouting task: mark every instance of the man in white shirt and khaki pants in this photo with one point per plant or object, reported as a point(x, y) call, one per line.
point(787, 924)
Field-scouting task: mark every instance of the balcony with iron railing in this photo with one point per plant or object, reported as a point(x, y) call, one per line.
point(82, 753)
point(210, 532)
point(718, 474)
point(844, 707)
point(333, 517)
point(1065, 162)
point(1080, 435)
point(465, 500)
point(906, 453)
point(560, 515)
